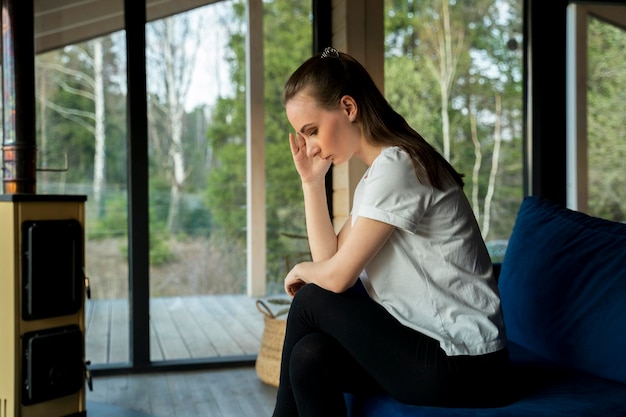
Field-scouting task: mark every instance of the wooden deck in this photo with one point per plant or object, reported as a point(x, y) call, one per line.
point(180, 328)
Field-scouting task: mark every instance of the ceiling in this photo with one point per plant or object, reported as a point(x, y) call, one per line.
point(65, 22)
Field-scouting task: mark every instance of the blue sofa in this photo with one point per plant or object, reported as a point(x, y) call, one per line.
point(563, 289)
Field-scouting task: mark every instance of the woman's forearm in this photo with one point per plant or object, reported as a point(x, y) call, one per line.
point(320, 231)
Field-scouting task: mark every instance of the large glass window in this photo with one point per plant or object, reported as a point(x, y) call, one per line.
point(596, 135)
point(197, 149)
point(197, 165)
point(454, 70)
point(606, 131)
point(81, 143)
point(196, 72)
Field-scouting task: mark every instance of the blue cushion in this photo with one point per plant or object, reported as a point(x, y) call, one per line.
point(563, 288)
point(578, 395)
point(540, 389)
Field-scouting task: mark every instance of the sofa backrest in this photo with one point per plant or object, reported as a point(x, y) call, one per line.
point(563, 288)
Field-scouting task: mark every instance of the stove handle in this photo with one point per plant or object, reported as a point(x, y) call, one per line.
point(87, 287)
point(88, 378)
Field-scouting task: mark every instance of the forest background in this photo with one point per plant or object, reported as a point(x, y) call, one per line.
point(453, 69)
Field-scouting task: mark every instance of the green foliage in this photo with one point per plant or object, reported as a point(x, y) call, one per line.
point(65, 113)
point(488, 64)
point(414, 103)
point(160, 250)
point(114, 223)
point(605, 130)
point(226, 191)
point(159, 245)
point(284, 49)
point(159, 200)
point(196, 217)
point(70, 140)
point(214, 201)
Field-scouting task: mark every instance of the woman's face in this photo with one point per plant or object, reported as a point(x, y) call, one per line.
point(328, 134)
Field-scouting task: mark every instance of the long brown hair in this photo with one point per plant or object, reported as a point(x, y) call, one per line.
point(331, 75)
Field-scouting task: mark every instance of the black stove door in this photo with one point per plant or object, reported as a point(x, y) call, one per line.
point(52, 263)
point(53, 364)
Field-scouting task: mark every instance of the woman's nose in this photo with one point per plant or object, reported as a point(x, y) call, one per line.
point(311, 149)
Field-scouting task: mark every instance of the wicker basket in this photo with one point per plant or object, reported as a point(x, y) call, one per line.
point(268, 361)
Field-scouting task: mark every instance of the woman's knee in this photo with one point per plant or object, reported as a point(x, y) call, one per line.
point(310, 356)
point(306, 292)
point(308, 298)
point(308, 351)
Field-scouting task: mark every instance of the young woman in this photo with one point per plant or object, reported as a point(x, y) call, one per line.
point(403, 299)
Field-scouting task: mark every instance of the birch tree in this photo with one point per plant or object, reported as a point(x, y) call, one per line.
point(77, 80)
point(443, 42)
point(462, 90)
point(171, 43)
point(495, 162)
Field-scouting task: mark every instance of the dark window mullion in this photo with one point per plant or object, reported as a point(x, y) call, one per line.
point(138, 218)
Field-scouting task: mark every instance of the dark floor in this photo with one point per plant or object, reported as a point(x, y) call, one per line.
point(233, 392)
point(95, 409)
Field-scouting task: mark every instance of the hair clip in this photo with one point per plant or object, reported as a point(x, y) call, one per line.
point(329, 52)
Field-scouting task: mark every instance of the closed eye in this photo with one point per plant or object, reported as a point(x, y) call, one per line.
point(308, 130)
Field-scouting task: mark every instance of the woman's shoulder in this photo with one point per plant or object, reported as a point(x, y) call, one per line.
point(393, 151)
point(392, 154)
point(393, 165)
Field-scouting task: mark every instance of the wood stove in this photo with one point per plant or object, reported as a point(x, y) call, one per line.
point(42, 283)
point(42, 290)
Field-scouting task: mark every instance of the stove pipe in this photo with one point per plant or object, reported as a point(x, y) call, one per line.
point(19, 149)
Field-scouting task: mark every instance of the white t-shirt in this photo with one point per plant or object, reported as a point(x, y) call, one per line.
point(434, 273)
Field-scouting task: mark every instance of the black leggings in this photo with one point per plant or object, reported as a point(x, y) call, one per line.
point(337, 343)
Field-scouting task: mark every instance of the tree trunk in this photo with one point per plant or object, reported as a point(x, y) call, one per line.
point(175, 116)
point(99, 178)
point(495, 161)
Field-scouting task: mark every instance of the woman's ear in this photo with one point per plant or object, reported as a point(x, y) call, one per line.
point(349, 107)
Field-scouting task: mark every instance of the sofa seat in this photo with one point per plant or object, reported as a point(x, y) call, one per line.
point(539, 389)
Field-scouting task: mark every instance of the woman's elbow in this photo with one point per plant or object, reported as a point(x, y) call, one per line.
point(339, 286)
